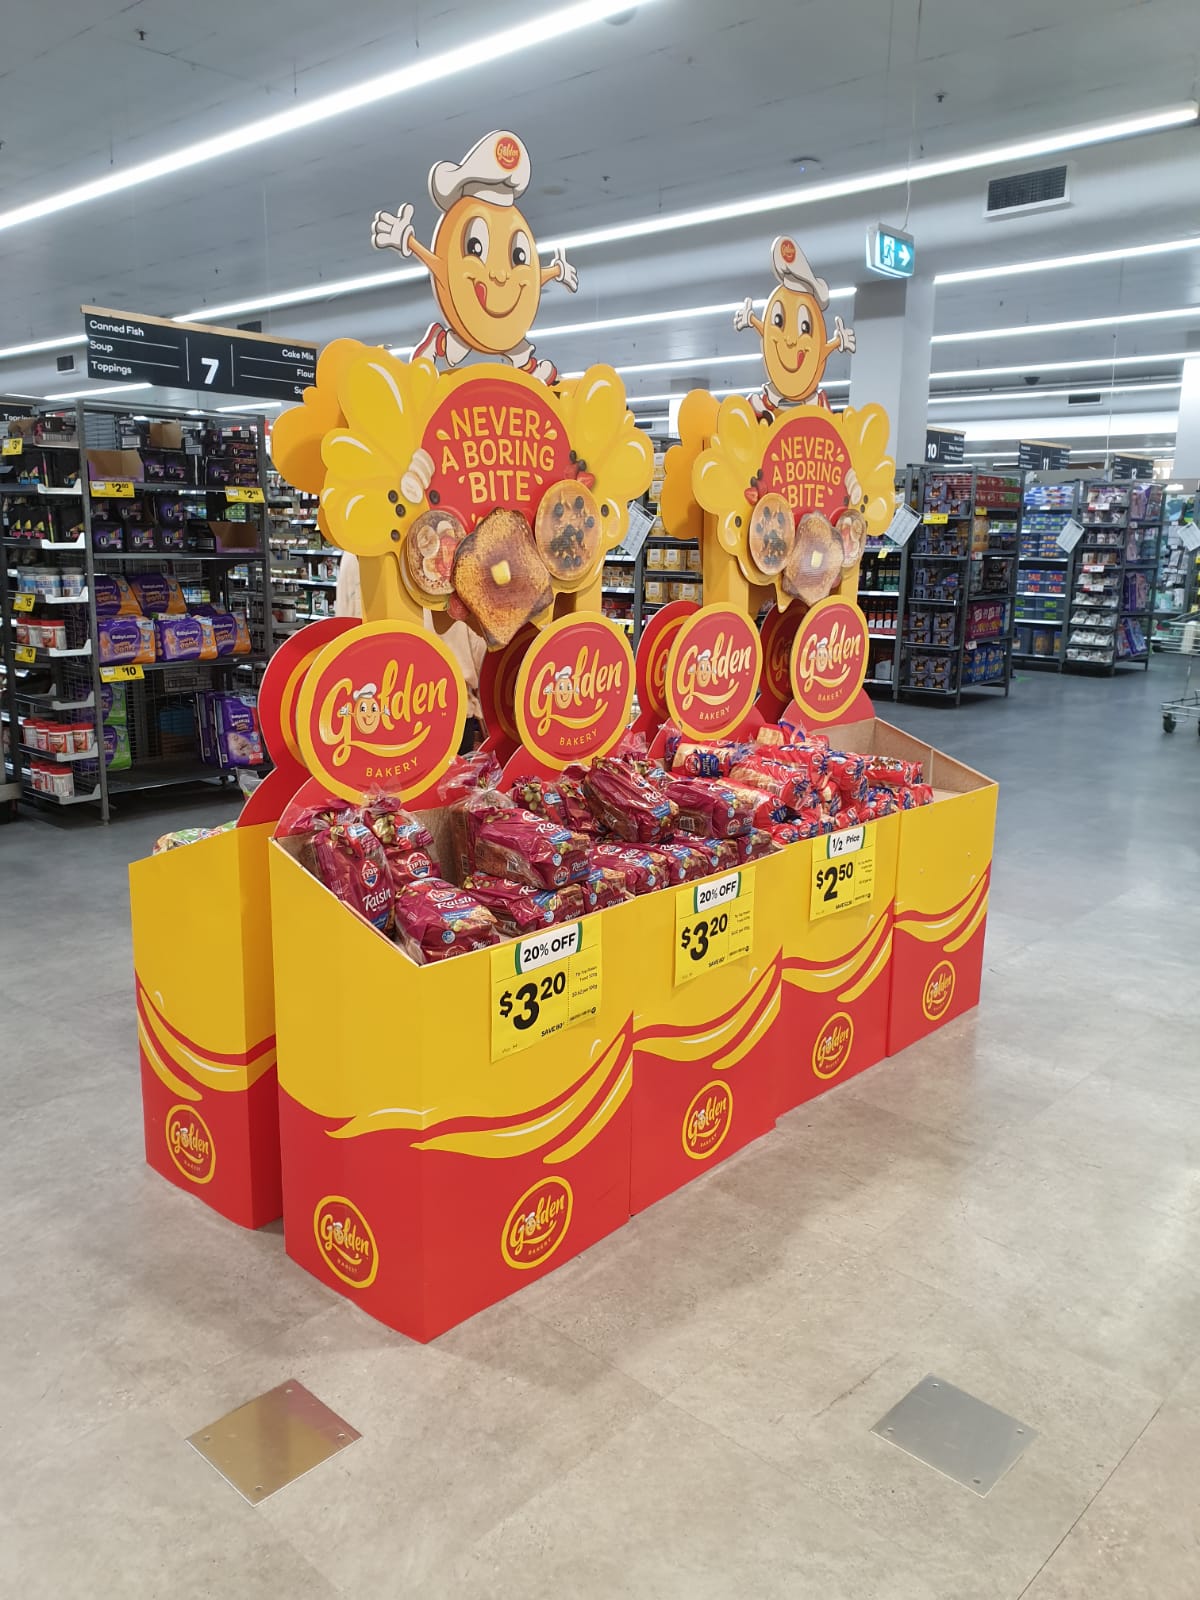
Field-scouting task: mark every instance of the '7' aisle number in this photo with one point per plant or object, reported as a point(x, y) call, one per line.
point(843, 870)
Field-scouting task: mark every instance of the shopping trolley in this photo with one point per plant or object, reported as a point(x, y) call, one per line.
point(1181, 636)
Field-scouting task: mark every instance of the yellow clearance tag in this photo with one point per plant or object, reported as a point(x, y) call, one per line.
point(25, 653)
point(13, 446)
point(23, 602)
point(112, 488)
point(131, 672)
point(714, 923)
point(936, 518)
point(252, 496)
point(843, 870)
point(543, 984)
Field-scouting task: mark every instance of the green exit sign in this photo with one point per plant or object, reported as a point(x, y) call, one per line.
point(891, 252)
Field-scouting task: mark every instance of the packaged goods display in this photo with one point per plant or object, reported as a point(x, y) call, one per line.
point(621, 944)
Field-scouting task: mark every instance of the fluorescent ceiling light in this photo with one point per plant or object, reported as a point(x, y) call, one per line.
point(993, 397)
point(41, 344)
point(432, 69)
point(249, 408)
point(1089, 258)
point(295, 297)
point(88, 394)
point(790, 199)
point(678, 394)
point(1126, 424)
point(1100, 364)
point(1132, 319)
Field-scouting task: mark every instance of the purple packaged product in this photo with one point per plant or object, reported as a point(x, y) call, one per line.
point(114, 597)
point(139, 538)
point(108, 536)
point(179, 638)
point(171, 513)
point(170, 538)
point(152, 469)
point(124, 639)
point(225, 627)
point(158, 593)
point(235, 731)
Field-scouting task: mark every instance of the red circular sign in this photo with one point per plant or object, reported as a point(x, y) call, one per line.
point(806, 461)
point(654, 647)
point(574, 690)
point(938, 991)
point(829, 659)
point(495, 442)
point(778, 631)
point(712, 672)
point(787, 249)
point(382, 707)
point(508, 152)
point(190, 1144)
point(280, 688)
point(498, 684)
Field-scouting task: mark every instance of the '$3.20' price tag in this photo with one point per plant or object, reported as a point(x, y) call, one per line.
point(543, 984)
point(843, 870)
point(714, 923)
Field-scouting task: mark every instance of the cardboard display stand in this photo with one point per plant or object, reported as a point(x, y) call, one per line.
point(452, 1130)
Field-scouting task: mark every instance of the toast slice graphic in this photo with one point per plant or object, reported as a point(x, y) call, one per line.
point(500, 577)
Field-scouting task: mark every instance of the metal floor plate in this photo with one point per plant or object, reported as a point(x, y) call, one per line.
point(272, 1440)
point(955, 1434)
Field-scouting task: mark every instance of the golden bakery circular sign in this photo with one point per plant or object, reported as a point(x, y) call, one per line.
point(574, 690)
point(712, 672)
point(829, 660)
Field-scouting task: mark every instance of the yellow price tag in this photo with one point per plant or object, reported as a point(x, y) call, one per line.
point(714, 923)
point(13, 446)
point(936, 518)
point(23, 602)
point(543, 984)
point(112, 488)
point(130, 672)
point(843, 870)
point(25, 653)
point(252, 496)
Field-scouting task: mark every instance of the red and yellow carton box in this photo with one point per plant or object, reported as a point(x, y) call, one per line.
point(942, 885)
point(206, 1021)
point(430, 1168)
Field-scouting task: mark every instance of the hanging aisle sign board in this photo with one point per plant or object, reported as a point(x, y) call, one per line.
point(944, 444)
point(1036, 454)
point(124, 347)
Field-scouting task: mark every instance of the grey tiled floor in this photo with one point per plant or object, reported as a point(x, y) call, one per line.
point(684, 1410)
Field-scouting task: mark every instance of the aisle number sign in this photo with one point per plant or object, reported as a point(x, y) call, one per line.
point(714, 923)
point(127, 672)
point(543, 984)
point(112, 488)
point(252, 495)
point(843, 871)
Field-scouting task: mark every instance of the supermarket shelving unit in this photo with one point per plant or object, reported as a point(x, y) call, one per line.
point(1111, 566)
point(960, 582)
point(49, 508)
point(882, 581)
point(1043, 571)
point(1175, 589)
point(303, 567)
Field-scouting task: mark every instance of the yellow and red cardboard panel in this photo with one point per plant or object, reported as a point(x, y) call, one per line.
point(206, 1021)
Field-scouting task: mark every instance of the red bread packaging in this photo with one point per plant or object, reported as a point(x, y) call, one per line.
point(350, 861)
point(642, 872)
point(517, 908)
point(465, 816)
point(627, 804)
point(893, 772)
point(758, 843)
point(515, 844)
point(405, 841)
point(435, 920)
point(710, 809)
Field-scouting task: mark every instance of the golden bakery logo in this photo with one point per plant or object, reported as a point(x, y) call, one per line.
point(345, 1241)
point(707, 1120)
point(383, 706)
point(654, 652)
point(492, 444)
point(574, 690)
point(713, 671)
point(829, 659)
point(537, 1224)
point(508, 152)
point(938, 991)
point(190, 1144)
point(778, 632)
point(833, 1044)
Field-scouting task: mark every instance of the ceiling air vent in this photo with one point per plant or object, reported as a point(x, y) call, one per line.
point(1045, 190)
point(1083, 399)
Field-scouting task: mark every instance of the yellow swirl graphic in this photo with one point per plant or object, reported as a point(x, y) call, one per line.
point(935, 930)
point(743, 1047)
point(699, 1041)
point(968, 932)
point(599, 1119)
point(822, 979)
point(170, 1054)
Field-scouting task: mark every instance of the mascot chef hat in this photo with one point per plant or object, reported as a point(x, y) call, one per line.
point(791, 267)
point(495, 170)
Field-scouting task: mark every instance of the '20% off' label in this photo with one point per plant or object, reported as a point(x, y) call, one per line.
point(714, 923)
point(543, 984)
point(843, 870)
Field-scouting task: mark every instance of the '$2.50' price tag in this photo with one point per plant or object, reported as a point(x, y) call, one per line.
point(843, 870)
point(714, 923)
point(542, 984)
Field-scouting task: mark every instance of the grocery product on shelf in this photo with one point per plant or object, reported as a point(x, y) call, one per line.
point(1112, 571)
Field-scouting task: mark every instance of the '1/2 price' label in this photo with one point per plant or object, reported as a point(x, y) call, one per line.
point(714, 923)
point(543, 984)
point(843, 873)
